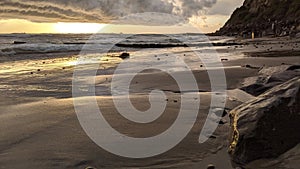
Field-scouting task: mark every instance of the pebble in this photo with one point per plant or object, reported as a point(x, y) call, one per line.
point(223, 122)
point(90, 168)
point(210, 166)
point(213, 137)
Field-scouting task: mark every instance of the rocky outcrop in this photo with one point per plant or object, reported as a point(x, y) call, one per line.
point(268, 77)
point(268, 125)
point(264, 17)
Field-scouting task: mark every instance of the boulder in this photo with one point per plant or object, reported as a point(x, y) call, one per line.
point(266, 126)
point(269, 77)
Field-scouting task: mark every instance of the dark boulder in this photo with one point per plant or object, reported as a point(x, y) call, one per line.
point(268, 125)
point(269, 77)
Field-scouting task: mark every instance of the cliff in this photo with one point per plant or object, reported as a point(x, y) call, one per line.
point(264, 17)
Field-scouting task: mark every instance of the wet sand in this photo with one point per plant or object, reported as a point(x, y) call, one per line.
point(39, 127)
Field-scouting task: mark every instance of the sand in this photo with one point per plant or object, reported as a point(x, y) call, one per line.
point(39, 127)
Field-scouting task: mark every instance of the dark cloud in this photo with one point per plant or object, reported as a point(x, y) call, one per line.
point(100, 11)
point(192, 7)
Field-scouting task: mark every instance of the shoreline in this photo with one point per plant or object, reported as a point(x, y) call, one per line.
point(45, 132)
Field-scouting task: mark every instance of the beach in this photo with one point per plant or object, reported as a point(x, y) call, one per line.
point(40, 129)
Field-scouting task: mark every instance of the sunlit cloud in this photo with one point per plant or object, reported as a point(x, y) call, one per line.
point(98, 11)
point(89, 16)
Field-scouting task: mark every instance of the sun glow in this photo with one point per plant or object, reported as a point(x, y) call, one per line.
point(63, 27)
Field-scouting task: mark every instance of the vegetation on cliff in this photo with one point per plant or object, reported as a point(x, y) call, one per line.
point(264, 17)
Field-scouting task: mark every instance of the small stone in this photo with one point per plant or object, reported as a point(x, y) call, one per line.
point(211, 166)
point(213, 137)
point(224, 60)
point(90, 168)
point(124, 55)
point(222, 122)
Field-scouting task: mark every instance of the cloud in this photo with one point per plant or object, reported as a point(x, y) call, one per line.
point(225, 7)
point(193, 7)
point(151, 19)
point(102, 11)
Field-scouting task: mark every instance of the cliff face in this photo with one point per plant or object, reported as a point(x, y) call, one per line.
point(264, 17)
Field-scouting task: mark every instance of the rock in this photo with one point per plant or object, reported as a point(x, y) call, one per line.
point(239, 95)
point(239, 168)
point(294, 67)
point(19, 42)
point(266, 126)
point(212, 137)
point(270, 77)
point(124, 55)
point(211, 166)
point(251, 67)
point(267, 71)
point(263, 18)
point(220, 112)
point(90, 168)
point(283, 76)
point(222, 122)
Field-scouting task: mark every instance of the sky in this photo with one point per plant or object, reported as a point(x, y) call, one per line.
point(114, 16)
